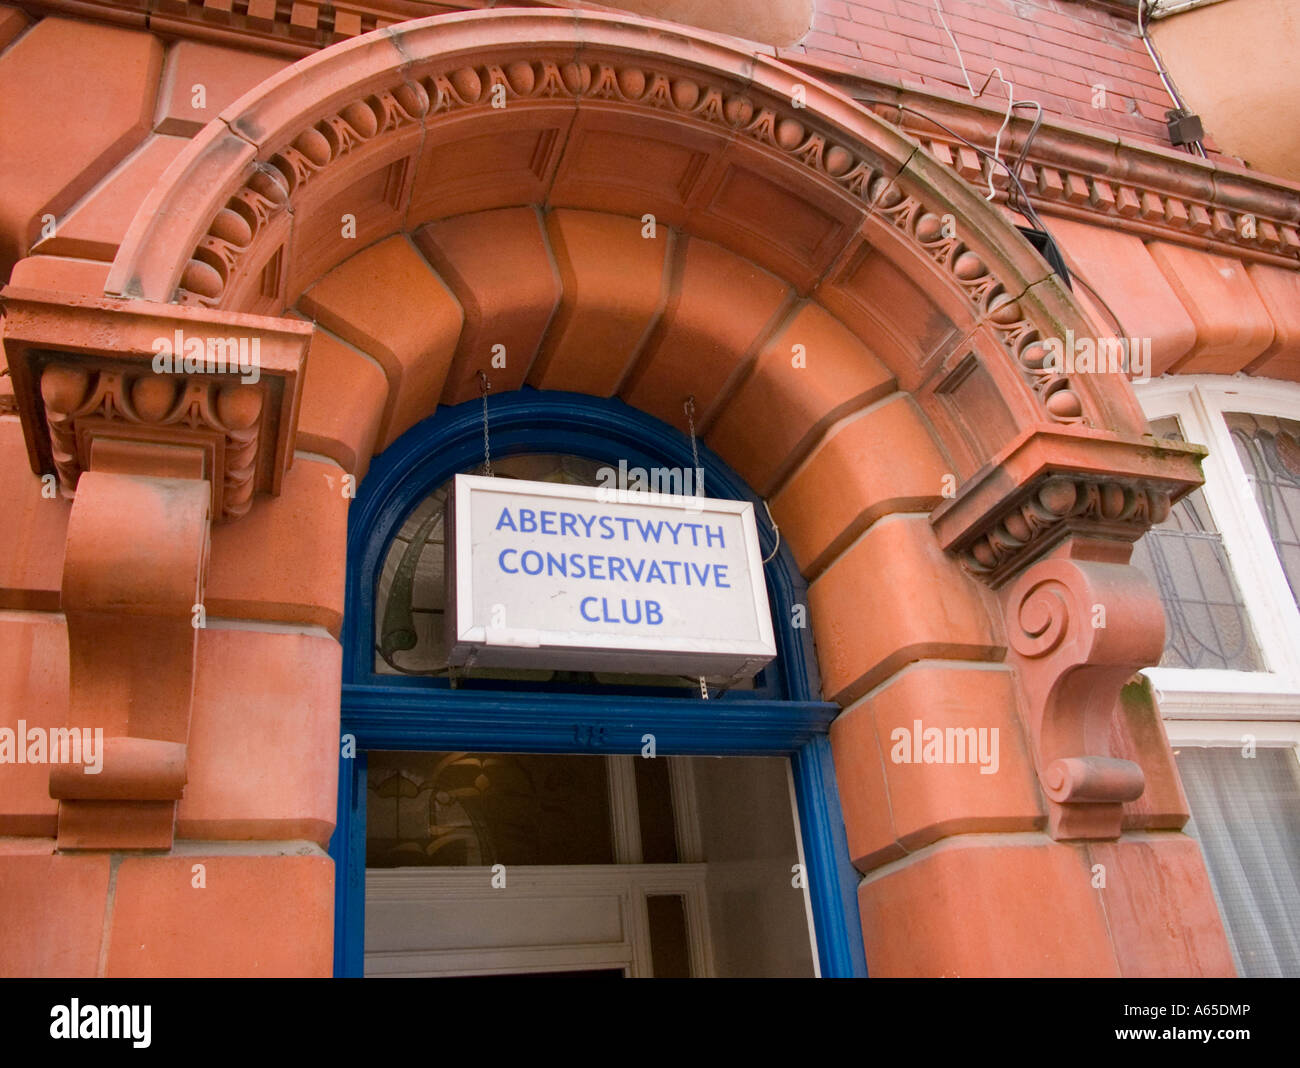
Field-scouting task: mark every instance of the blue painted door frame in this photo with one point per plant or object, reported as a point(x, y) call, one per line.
point(781, 716)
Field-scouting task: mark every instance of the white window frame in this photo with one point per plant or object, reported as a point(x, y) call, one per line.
point(1227, 702)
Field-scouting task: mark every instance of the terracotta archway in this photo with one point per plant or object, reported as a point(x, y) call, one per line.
point(464, 114)
point(619, 207)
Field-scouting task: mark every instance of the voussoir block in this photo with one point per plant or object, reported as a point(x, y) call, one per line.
point(720, 309)
point(344, 394)
point(284, 561)
point(387, 301)
point(943, 752)
point(614, 290)
point(891, 598)
point(875, 462)
point(810, 374)
point(498, 265)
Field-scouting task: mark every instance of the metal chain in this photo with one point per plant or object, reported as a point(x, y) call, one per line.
point(689, 409)
point(484, 388)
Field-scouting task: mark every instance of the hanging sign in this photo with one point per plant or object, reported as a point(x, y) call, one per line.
point(589, 578)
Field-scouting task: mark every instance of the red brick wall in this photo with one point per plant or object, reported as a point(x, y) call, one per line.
point(1052, 51)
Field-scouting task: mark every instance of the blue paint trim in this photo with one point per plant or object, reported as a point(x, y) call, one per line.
point(832, 879)
point(782, 716)
point(348, 848)
point(451, 441)
point(399, 718)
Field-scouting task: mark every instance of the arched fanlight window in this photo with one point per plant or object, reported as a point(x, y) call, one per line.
point(411, 590)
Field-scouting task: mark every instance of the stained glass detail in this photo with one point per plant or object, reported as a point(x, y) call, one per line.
point(1270, 451)
point(410, 614)
point(473, 809)
point(1206, 625)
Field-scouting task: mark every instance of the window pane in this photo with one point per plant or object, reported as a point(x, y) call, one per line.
point(1206, 625)
point(472, 809)
point(654, 803)
point(669, 948)
point(1270, 451)
point(1246, 813)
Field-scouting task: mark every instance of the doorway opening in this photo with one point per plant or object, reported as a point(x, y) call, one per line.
point(416, 720)
point(521, 864)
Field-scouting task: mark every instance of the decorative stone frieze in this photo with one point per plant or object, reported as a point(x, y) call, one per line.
point(1265, 231)
point(295, 29)
point(1081, 172)
point(240, 230)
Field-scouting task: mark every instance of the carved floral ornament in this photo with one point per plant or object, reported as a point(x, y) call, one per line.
point(91, 393)
point(1058, 505)
point(1050, 486)
point(1243, 214)
point(867, 165)
point(223, 420)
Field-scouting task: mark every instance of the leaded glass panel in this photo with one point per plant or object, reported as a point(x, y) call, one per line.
point(1270, 451)
point(1206, 625)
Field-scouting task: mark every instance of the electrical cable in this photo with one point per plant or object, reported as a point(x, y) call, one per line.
point(1027, 211)
point(1012, 102)
point(1026, 207)
point(1165, 79)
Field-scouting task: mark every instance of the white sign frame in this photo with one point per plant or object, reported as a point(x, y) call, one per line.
point(485, 646)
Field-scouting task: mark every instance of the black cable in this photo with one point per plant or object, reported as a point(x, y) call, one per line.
point(1027, 209)
point(1022, 203)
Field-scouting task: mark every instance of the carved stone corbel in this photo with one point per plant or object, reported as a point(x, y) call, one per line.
point(1050, 524)
point(133, 571)
point(134, 409)
point(1077, 630)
